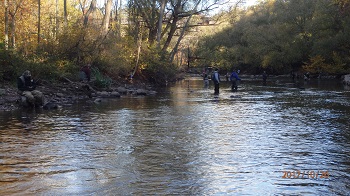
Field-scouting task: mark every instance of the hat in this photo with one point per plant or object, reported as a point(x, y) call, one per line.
point(27, 73)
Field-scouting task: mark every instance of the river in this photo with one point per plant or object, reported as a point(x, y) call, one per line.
point(261, 140)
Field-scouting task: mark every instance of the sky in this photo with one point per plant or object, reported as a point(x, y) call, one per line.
point(251, 2)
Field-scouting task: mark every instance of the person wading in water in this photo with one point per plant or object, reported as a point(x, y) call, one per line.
point(216, 80)
point(234, 78)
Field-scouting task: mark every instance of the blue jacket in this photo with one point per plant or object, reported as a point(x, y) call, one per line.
point(234, 75)
point(216, 77)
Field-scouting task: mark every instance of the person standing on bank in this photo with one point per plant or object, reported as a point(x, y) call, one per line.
point(234, 78)
point(85, 73)
point(216, 80)
point(26, 87)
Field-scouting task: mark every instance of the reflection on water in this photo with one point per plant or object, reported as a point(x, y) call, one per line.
point(184, 141)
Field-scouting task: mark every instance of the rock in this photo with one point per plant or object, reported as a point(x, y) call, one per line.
point(122, 90)
point(346, 79)
point(2, 91)
point(23, 101)
point(152, 92)
point(103, 94)
point(59, 94)
point(115, 94)
point(65, 94)
point(50, 106)
point(98, 100)
point(141, 92)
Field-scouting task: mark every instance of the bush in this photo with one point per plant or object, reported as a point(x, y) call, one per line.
point(12, 64)
point(101, 81)
point(318, 65)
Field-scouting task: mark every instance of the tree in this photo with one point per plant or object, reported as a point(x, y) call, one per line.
point(106, 18)
point(39, 20)
point(65, 13)
point(160, 21)
point(92, 9)
point(6, 24)
point(13, 12)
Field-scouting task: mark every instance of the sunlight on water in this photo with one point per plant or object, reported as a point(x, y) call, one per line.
point(261, 140)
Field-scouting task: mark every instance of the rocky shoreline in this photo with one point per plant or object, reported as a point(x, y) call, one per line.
point(68, 92)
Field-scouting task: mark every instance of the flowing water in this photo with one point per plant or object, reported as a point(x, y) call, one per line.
point(261, 140)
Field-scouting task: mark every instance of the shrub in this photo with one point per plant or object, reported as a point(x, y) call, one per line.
point(101, 81)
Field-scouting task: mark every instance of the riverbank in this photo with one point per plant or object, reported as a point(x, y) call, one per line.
point(68, 92)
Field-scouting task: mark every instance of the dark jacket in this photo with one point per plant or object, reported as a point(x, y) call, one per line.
point(25, 84)
point(234, 76)
point(86, 69)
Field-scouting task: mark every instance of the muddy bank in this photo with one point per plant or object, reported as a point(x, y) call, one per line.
point(69, 92)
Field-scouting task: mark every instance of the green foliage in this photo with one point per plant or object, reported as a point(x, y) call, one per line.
point(156, 69)
point(281, 35)
point(11, 65)
point(101, 81)
point(275, 35)
point(318, 65)
point(66, 69)
point(118, 60)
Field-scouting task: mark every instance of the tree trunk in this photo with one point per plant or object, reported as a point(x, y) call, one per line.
point(171, 33)
point(13, 31)
point(152, 35)
point(138, 51)
point(173, 26)
point(117, 17)
point(120, 18)
point(174, 51)
point(57, 21)
point(92, 8)
point(39, 7)
point(106, 17)
point(65, 14)
point(6, 25)
point(160, 22)
point(12, 23)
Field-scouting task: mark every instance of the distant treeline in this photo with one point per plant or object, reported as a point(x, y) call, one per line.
point(281, 36)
